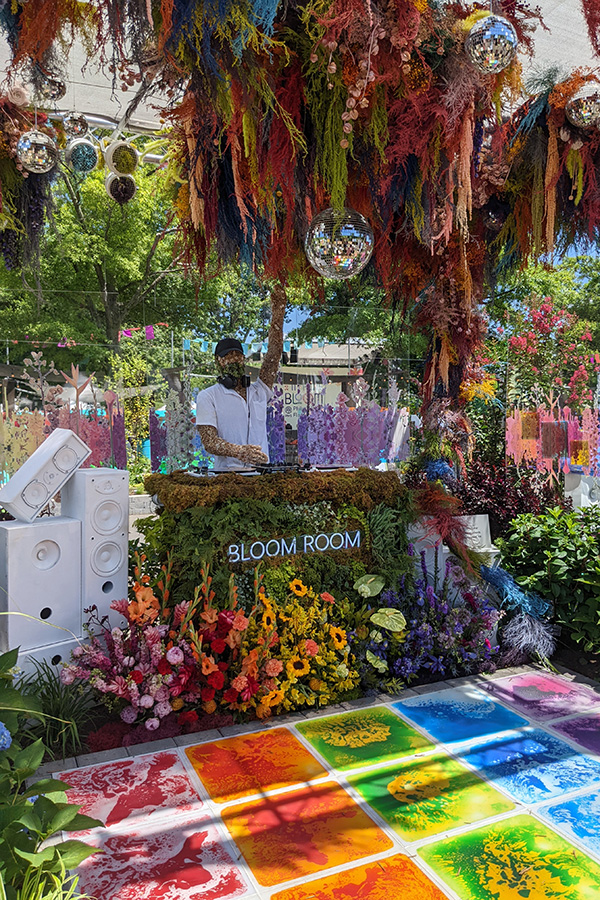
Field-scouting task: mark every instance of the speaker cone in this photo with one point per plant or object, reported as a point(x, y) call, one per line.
point(65, 459)
point(107, 517)
point(35, 494)
point(106, 558)
point(45, 554)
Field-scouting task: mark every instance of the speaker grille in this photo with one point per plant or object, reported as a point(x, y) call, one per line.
point(106, 558)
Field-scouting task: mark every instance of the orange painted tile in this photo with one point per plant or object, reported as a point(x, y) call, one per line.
point(298, 833)
point(252, 763)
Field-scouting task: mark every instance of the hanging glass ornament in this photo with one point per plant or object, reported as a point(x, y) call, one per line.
point(491, 44)
point(75, 126)
point(121, 157)
point(583, 108)
point(121, 188)
point(51, 89)
point(81, 155)
point(339, 243)
point(37, 152)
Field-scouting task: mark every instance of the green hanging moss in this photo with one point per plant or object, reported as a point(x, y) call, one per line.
point(377, 132)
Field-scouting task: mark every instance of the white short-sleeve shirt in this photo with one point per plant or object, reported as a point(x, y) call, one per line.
point(237, 421)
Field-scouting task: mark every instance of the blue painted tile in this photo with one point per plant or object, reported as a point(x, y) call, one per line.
point(577, 818)
point(533, 765)
point(459, 714)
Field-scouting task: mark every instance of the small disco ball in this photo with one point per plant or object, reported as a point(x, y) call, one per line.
point(121, 158)
point(583, 108)
point(75, 126)
point(339, 243)
point(37, 152)
point(52, 89)
point(81, 155)
point(491, 44)
point(121, 188)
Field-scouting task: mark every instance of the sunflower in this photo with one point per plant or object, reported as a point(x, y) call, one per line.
point(297, 667)
point(268, 620)
point(299, 589)
point(338, 636)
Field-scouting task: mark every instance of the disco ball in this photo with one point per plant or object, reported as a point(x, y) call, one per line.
point(583, 108)
point(37, 152)
point(121, 158)
point(81, 155)
point(121, 188)
point(339, 243)
point(491, 44)
point(52, 89)
point(75, 126)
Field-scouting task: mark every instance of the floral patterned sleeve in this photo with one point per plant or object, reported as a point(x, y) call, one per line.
point(270, 366)
point(219, 447)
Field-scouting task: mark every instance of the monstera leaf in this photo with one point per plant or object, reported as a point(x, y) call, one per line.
point(369, 585)
point(391, 619)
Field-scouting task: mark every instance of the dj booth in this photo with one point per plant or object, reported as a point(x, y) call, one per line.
point(323, 525)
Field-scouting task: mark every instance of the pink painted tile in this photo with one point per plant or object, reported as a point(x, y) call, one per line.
point(124, 791)
point(181, 860)
point(543, 697)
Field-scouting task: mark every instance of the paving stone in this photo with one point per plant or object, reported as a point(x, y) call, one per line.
point(151, 747)
point(242, 728)
point(290, 719)
point(54, 766)
point(466, 680)
point(199, 737)
point(103, 756)
point(361, 702)
point(431, 688)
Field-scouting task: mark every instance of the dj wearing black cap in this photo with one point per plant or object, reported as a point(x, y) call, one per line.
point(232, 414)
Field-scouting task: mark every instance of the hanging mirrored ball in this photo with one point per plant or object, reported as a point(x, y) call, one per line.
point(75, 126)
point(37, 152)
point(491, 44)
point(583, 108)
point(51, 89)
point(339, 243)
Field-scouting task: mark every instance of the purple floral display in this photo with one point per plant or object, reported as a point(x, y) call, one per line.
point(104, 435)
point(276, 426)
point(158, 440)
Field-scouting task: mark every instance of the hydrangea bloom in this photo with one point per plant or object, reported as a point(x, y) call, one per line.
point(5, 737)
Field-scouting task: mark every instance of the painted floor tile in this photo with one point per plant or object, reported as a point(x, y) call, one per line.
point(584, 730)
point(295, 834)
point(145, 786)
point(252, 763)
point(515, 859)
point(363, 737)
point(186, 861)
point(423, 797)
point(543, 697)
point(577, 818)
point(388, 879)
point(533, 765)
point(459, 714)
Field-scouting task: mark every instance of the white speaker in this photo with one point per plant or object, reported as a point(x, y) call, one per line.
point(44, 474)
point(100, 499)
point(40, 575)
point(54, 654)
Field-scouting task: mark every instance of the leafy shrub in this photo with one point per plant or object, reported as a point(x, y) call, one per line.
point(504, 492)
point(556, 554)
point(32, 813)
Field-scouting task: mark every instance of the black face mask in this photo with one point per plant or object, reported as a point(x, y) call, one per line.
point(234, 375)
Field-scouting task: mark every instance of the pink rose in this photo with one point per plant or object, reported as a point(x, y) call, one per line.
point(240, 623)
point(128, 715)
point(146, 701)
point(311, 648)
point(239, 683)
point(67, 676)
point(152, 724)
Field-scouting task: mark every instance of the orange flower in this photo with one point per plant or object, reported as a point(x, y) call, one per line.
point(209, 707)
point(209, 615)
point(250, 663)
point(145, 608)
point(208, 665)
point(298, 588)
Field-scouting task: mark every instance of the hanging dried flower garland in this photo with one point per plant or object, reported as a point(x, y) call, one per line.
point(292, 107)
